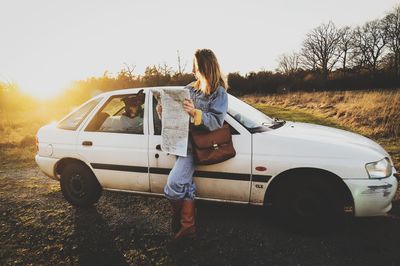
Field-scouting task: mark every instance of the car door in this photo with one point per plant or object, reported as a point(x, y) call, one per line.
point(229, 180)
point(117, 154)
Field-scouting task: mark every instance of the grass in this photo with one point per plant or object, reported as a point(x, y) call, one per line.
point(374, 114)
point(296, 115)
point(18, 129)
point(370, 113)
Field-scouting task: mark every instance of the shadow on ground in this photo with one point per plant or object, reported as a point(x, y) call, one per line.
point(39, 227)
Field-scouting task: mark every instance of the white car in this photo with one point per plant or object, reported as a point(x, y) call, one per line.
point(301, 170)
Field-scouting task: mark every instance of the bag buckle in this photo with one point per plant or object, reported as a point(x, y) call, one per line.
point(215, 146)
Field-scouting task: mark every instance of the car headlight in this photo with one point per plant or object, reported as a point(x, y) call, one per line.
point(379, 169)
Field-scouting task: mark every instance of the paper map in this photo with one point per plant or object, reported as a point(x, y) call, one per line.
point(174, 120)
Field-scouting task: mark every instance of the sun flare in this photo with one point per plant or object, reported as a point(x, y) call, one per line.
point(43, 88)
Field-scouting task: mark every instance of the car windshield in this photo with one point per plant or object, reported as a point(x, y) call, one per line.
point(72, 121)
point(251, 118)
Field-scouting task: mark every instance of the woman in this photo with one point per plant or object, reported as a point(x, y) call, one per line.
point(207, 107)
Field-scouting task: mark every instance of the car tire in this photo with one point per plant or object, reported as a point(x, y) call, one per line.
point(79, 185)
point(309, 204)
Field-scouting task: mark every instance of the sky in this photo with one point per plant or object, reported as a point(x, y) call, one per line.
point(47, 44)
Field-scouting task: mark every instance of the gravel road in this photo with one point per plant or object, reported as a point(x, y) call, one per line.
point(37, 226)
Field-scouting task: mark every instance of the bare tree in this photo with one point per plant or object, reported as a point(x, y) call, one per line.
point(320, 48)
point(345, 45)
point(392, 27)
point(181, 68)
point(370, 41)
point(289, 63)
point(165, 69)
point(308, 58)
point(128, 71)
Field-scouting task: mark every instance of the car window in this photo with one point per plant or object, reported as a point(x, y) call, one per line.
point(73, 121)
point(251, 118)
point(120, 114)
point(156, 119)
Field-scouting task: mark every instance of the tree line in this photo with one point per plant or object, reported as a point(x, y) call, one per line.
point(335, 58)
point(155, 75)
point(330, 58)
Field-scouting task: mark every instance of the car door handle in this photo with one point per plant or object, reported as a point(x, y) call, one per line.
point(158, 147)
point(87, 143)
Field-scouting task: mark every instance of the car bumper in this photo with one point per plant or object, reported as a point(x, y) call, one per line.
point(47, 164)
point(372, 197)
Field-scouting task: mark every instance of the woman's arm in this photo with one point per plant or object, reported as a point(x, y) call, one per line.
point(214, 117)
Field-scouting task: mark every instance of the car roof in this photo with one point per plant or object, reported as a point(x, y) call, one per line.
point(135, 90)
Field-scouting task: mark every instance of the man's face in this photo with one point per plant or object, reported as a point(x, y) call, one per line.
point(133, 110)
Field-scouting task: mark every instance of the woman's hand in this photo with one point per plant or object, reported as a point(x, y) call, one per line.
point(188, 106)
point(159, 108)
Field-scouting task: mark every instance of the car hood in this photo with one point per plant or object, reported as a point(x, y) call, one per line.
point(323, 140)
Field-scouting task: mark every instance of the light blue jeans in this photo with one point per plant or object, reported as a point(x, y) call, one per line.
point(180, 184)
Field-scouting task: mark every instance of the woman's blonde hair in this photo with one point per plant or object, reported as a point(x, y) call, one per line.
point(207, 65)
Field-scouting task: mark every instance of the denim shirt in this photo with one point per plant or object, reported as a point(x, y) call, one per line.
point(214, 106)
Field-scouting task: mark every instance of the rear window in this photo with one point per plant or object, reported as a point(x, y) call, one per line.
point(73, 121)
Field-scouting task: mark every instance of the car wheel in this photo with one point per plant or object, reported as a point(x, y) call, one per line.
point(308, 204)
point(79, 185)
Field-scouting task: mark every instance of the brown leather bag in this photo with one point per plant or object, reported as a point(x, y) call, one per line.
point(210, 147)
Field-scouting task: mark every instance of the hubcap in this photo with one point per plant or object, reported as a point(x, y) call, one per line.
point(306, 205)
point(77, 185)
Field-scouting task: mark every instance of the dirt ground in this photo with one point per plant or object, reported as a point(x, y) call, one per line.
point(37, 226)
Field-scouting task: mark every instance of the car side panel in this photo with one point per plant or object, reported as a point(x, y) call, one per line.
point(119, 160)
point(229, 180)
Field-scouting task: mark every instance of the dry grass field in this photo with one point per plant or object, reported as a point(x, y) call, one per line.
point(18, 129)
point(374, 114)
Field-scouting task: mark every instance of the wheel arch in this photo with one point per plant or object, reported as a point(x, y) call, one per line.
point(304, 172)
point(59, 166)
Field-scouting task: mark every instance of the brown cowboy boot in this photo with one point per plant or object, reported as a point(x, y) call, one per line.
point(176, 206)
point(188, 227)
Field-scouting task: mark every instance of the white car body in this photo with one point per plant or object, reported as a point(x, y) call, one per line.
point(131, 162)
